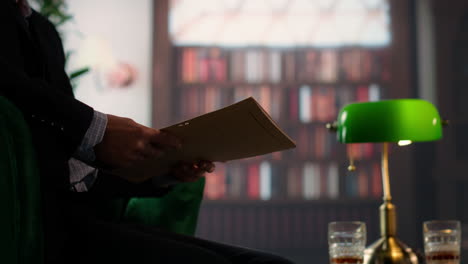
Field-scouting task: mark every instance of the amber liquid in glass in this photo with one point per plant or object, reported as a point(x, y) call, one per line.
point(346, 260)
point(443, 257)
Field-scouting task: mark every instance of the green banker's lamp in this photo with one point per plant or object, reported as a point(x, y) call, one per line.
point(401, 121)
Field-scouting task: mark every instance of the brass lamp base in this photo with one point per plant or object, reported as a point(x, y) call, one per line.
point(390, 250)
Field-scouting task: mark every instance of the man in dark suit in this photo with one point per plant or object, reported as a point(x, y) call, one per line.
point(72, 139)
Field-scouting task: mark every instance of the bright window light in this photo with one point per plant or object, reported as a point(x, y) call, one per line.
point(323, 23)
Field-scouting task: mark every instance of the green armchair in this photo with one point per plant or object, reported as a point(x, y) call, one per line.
point(21, 237)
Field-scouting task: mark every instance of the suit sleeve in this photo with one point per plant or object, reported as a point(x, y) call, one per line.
point(34, 97)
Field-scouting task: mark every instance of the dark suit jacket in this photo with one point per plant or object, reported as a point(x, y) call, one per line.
point(32, 76)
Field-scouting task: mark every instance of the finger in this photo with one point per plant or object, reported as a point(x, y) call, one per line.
point(187, 172)
point(207, 166)
point(195, 172)
point(129, 159)
point(180, 171)
point(142, 150)
point(164, 139)
point(153, 152)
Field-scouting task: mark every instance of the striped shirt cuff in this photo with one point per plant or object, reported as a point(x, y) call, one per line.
point(93, 136)
point(82, 176)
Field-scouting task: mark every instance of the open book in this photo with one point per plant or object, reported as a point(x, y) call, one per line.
point(238, 131)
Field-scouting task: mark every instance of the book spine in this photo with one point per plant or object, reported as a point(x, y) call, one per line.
point(275, 67)
point(328, 66)
point(305, 95)
point(363, 182)
point(351, 184)
point(374, 92)
point(215, 185)
point(253, 188)
point(289, 66)
point(333, 184)
point(311, 181)
point(362, 94)
point(265, 181)
point(293, 104)
point(376, 181)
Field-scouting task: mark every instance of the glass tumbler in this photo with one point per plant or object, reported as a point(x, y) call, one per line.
point(442, 241)
point(346, 242)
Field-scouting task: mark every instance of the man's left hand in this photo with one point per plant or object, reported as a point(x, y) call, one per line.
point(189, 172)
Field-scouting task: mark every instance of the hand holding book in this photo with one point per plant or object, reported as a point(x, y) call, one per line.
point(238, 131)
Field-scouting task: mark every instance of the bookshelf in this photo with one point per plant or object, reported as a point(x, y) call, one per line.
point(302, 89)
point(288, 217)
point(282, 202)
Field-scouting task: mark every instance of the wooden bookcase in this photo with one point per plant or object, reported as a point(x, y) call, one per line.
point(290, 220)
point(302, 89)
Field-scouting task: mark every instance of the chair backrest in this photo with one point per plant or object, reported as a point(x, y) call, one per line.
point(21, 239)
point(176, 212)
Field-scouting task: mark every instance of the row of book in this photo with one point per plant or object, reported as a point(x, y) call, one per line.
point(265, 180)
point(313, 142)
point(319, 144)
point(260, 65)
point(308, 104)
point(304, 104)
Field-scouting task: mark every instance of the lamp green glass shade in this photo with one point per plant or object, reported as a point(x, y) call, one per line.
point(389, 121)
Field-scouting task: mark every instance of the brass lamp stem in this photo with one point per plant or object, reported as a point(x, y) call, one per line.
point(388, 249)
point(385, 177)
point(387, 209)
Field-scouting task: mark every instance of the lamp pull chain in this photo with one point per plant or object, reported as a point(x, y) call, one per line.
point(385, 177)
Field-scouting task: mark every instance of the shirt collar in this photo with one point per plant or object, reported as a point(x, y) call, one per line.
point(24, 7)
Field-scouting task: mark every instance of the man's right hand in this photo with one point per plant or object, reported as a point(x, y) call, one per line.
point(126, 142)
